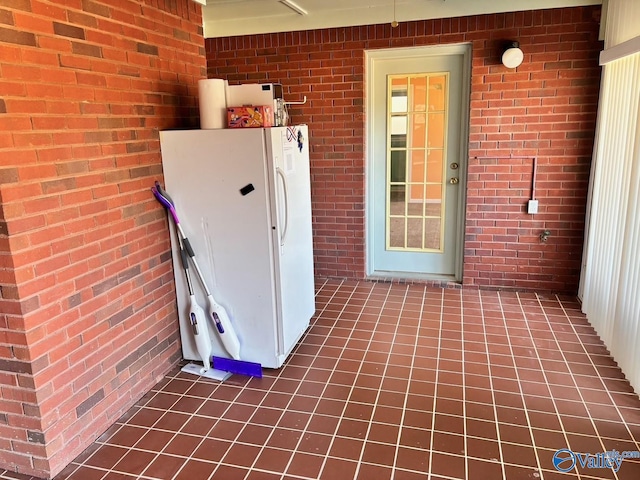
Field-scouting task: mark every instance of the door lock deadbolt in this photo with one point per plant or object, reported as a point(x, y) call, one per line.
point(454, 166)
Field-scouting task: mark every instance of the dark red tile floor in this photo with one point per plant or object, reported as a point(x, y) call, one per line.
point(395, 382)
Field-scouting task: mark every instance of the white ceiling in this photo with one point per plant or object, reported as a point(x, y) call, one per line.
point(223, 18)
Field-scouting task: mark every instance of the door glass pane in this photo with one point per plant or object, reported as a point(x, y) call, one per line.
point(437, 91)
point(399, 99)
point(416, 154)
point(419, 97)
point(398, 200)
point(398, 166)
point(432, 234)
point(418, 130)
point(396, 234)
point(417, 174)
point(435, 165)
point(414, 232)
point(435, 138)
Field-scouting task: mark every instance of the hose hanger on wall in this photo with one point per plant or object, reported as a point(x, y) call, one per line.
point(532, 204)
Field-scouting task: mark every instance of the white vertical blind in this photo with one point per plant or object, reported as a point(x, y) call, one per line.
point(611, 272)
point(622, 21)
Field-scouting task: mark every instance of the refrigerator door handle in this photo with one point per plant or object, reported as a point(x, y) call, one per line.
point(283, 234)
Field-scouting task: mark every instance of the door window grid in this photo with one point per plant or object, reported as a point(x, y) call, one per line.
point(416, 141)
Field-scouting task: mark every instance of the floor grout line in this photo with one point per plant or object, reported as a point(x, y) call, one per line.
point(495, 411)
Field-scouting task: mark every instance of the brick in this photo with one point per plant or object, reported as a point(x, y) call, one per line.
point(17, 37)
point(89, 403)
point(86, 49)
point(67, 30)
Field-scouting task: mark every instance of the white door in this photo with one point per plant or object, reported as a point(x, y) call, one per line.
point(418, 115)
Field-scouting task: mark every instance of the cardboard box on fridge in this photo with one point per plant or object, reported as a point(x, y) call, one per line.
point(250, 117)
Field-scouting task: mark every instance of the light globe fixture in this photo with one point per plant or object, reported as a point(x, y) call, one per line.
point(512, 56)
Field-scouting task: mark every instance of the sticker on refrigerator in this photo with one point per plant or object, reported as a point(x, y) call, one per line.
point(289, 151)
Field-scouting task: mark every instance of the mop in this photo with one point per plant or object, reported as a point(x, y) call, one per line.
point(200, 330)
point(217, 312)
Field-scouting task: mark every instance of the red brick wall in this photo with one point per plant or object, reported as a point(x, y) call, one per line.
point(87, 303)
point(545, 108)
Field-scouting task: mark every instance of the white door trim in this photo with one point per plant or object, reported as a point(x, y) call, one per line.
point(371, 56)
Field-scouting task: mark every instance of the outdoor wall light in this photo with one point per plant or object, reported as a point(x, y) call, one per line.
point(512, 56)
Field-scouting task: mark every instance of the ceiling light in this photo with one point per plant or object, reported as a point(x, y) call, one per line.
point(394, 23)
point(512, 56)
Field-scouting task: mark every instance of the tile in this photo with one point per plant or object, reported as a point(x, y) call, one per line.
point(272, 459)
point(485, 469)
point(106, 456)
point(163, 400)
point(518, 454)
point(378, 453)
point(118, 476)
point(323, 424)
point(305, 465)
point(254, 434)
point(335, 469)
point(259, 475)
point(154, 440)
point(197, 425)
point(315, 443)
point(408, 475)
point(266, 416)
point(294, 420)
point(481, 428)
point(287, 439)
point(211, 449)
point(226, 430)
point(164, 467)
point(227, 472)
point(549, 438)
point(483, 449)
point(347, 448)
point(413, 459)
point(183, 445)
point(127, 436)
point(241, 455)
point(450, 466)
point(377, 472)
point(81, 473)
point(193, 469)
point(134, 462)
point(515, 434)
point(384, 433)
point(213, 408)
point(448, 443)
point(145, 417)
point(172, 421)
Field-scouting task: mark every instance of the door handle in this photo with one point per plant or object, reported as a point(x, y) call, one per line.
point(283, 235)
point(454, 181)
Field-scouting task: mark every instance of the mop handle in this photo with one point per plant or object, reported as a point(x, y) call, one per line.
point(167, 202)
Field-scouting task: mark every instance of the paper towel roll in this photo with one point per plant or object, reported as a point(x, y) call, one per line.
point(213, 103)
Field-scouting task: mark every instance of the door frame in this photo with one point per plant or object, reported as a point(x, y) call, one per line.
point(372, 57)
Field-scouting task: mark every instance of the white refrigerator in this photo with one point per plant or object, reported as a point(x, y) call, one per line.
point(243, 197)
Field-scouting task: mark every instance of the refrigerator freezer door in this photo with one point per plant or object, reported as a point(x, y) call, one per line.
point(219, 182)
point(293, 241)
